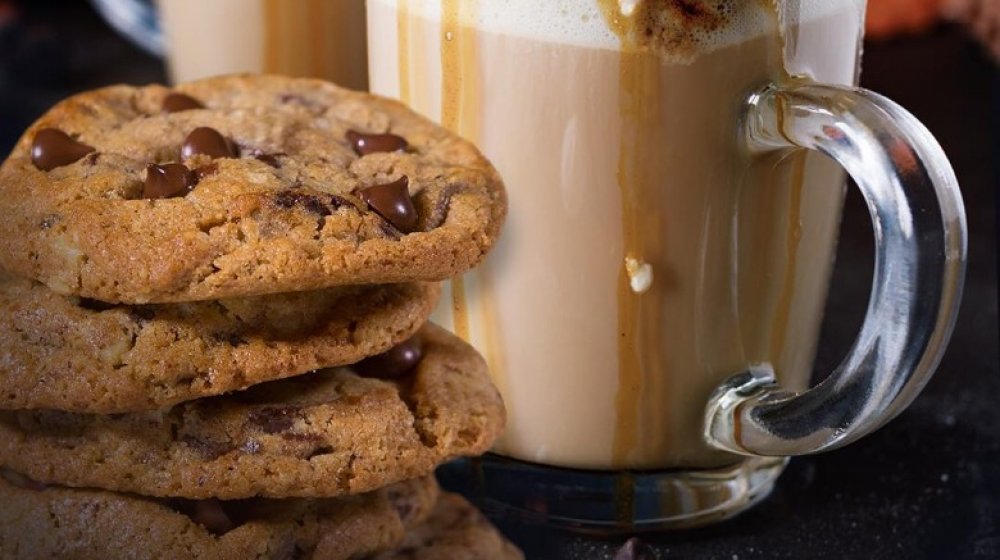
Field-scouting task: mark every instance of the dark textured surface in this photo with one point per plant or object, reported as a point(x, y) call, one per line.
point(925, 486)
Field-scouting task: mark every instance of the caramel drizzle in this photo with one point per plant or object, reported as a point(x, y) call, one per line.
point(403, 50)
point(459, 113)
point(631, 85)
point(272, 36)
point(319, 44)
point(460, 97)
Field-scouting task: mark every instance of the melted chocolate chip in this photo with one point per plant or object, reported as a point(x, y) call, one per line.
point(272, 420)
point(392, 202)
point(53, 148)
point(635, 549)
point(319, 205)
point(365, 144)
point(397, 362)
point(207, 141)
point(168, 180)
point(312, 203)
point(177, 102)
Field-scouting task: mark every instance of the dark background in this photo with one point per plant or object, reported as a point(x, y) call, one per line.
point(925, 486)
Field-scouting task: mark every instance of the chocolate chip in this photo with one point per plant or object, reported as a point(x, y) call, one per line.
point(168, 180)
point(207, 141)
point(365, 144)
point(273, 420)
point(321, 206)
point(177, 102)
point(635, 549)
point(392, 202)
point(53, 148)
point(397, 362)
point(288, 199)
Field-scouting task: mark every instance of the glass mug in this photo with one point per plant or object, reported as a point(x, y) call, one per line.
point(314, 38)
point(674, 171)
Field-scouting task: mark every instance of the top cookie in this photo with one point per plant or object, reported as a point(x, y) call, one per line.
point(237, 186)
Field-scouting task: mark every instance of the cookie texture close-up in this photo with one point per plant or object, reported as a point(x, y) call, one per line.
point(329, 433)
point(253, 185)
point(455, 530)
point(71, 354)
point(38, 521)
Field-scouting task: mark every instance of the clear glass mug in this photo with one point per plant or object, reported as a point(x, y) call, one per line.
point(675, 176)
point(315, 38)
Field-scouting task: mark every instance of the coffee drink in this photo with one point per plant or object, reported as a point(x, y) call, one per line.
point(317, 38)
point(647, 256)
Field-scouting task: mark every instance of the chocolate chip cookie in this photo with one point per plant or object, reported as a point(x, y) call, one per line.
point(238, 186)
point(455, 530)
point(38, 521)
point(339, 431)
point(72, 354)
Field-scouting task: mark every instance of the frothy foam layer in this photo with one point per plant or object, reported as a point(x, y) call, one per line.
point(679, 25)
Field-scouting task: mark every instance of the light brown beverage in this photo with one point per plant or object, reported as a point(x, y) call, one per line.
point(316, 38)
point(647, 257)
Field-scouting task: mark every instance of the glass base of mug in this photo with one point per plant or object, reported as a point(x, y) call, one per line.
point(607, 503)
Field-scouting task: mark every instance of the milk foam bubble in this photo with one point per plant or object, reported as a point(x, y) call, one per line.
point(583, 22)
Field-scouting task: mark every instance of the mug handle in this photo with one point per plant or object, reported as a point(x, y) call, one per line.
point(920, 240)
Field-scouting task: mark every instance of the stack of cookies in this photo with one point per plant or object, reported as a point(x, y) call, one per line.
point(213, 336)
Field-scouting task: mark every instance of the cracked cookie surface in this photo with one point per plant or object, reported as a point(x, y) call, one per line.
point(327, 433)
point(84, 524)
point(281, 203)
point(64, 353)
